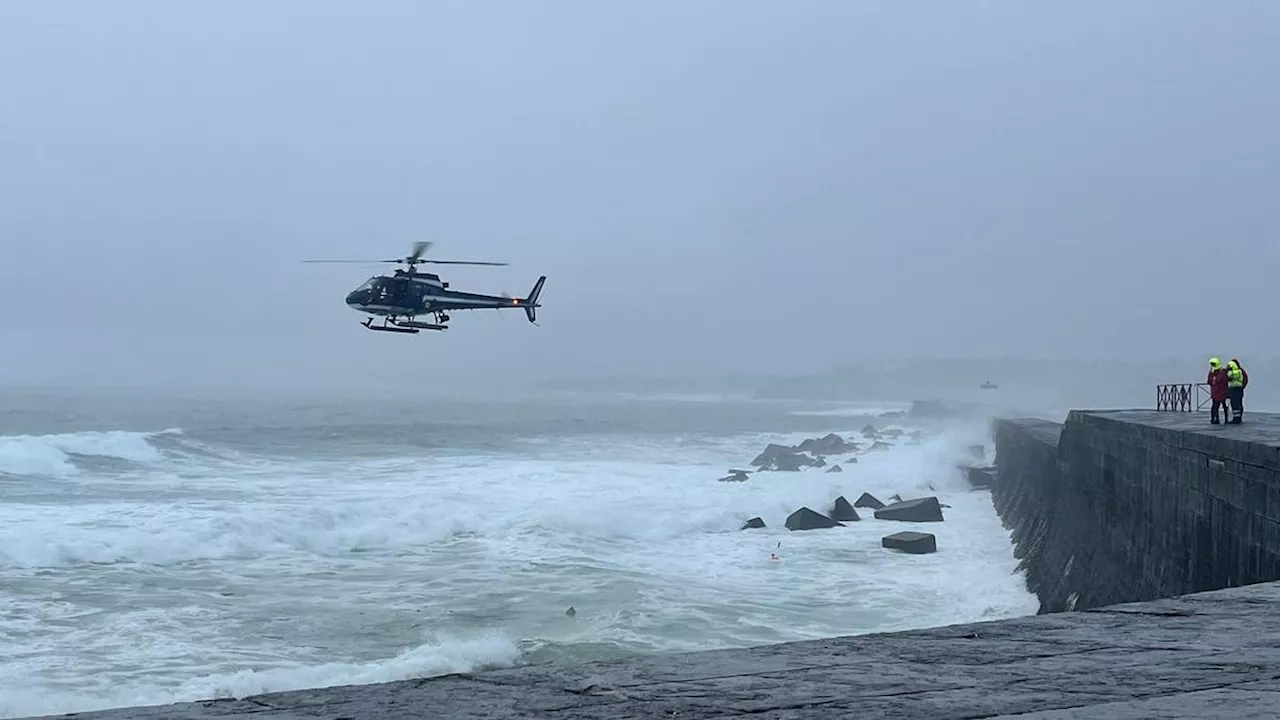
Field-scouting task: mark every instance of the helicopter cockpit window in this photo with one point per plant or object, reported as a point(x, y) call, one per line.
point(368, 284)
point(383, 289)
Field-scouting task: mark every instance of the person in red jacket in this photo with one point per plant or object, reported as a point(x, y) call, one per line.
point(1217, 389)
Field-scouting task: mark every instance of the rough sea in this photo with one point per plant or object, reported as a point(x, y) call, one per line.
point(155, 550)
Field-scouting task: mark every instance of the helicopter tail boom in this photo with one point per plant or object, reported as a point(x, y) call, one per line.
point(531, 303)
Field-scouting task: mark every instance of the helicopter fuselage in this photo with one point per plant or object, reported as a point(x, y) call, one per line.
point(407, 295)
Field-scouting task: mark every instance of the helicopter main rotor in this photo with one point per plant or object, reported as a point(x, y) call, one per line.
point(413, 258)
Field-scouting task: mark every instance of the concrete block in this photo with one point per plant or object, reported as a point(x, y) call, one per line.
point(979, 477)
point(808, 519)
point(915, 543)
point(926, 509)
point(867, 500)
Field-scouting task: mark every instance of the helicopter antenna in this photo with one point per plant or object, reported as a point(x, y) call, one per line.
point(413, 259)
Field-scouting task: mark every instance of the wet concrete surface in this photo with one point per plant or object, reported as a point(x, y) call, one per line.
point(1256, 441)
point(1256, 427)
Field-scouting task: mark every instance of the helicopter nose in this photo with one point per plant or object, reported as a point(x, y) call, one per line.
point(353, 298)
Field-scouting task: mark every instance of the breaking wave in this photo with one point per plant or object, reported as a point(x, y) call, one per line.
point(66, 454)
point(238, 562)
point(440, 657)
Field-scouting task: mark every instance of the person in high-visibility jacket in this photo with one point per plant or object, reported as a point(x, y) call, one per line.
point(1236, 380)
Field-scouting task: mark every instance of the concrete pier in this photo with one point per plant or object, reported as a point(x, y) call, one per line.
point(1125, 506)
point(1108, 508)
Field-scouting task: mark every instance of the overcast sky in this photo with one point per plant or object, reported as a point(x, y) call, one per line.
point(709, 184)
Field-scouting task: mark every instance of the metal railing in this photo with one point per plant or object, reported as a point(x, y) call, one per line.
point(1183, 397)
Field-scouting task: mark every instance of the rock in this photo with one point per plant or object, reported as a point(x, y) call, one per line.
point(753, 523)
point(806, 519)
point(788, 463)
point(867, 500)
point(851, 461)
point(870, 431)
point(895, 498)
point(829, 444)
point(842, 511)
point(978, 451)
point(878, 446)
point(835, 468)
point(735, 476)
point(819, 462)
point(780, 457)
point(919, 510)
point(915, 543)
point(771, 450)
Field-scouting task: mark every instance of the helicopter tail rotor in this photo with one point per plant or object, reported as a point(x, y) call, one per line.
point(531, 303)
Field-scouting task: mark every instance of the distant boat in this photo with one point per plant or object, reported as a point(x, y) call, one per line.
point(988, 385)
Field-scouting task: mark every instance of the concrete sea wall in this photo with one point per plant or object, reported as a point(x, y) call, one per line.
point(1126, 506)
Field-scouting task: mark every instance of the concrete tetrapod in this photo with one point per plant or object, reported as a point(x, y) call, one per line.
point(915, 543)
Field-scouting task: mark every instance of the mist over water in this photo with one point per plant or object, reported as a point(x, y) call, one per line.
point(260, 547)
point(761, 220)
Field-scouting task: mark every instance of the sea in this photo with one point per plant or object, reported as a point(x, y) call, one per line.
point(157, 549)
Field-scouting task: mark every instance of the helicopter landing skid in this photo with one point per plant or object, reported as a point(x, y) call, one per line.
point(411, 327)
point(385, 327)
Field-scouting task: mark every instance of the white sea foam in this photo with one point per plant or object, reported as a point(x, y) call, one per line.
point(855, 410)
point(52, 454)
point(26, 689)
point(260, 574)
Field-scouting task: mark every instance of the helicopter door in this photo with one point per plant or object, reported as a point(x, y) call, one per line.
point(395, 292)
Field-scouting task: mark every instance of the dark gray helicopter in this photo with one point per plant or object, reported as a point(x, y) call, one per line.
point(401, 297)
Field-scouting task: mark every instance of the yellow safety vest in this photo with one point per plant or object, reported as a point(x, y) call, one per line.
point(1235, 377)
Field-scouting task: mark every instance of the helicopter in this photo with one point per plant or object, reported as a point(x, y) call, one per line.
point(400, 298)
